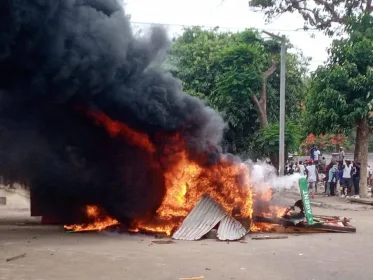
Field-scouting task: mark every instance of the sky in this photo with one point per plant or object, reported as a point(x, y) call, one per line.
point(233, 15)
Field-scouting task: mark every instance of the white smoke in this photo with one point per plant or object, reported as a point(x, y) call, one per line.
point(264, 176)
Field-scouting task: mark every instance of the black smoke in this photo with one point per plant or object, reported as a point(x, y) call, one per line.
point(56, 55)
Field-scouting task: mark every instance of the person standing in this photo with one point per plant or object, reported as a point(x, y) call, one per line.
point(341, 155)
point(340, 176)
point(312, 152)
point(326, 179)
point(356, 178)
point(332, 180)
point(347, 180)
point(322, 165)
point(302, 169)
point(317, 154)
point(291, 169)
point(312, 177)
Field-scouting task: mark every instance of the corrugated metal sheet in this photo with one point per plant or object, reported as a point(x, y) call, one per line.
point(204, 217)
point(230, 229)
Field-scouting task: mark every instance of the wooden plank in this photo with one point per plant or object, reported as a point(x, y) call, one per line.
point(297, 229)
point(267, 237)
point(279, 221)
point(336, 228)
point(332, 218)
point(16, 257)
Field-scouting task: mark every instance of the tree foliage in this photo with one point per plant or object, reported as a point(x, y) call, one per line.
point(328, 142)
point(227, 71)
point(324, 15)
point(267, 140)
point(341, 96)
point(342, 91)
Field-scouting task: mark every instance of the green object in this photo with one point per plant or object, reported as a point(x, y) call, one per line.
point(306, 200)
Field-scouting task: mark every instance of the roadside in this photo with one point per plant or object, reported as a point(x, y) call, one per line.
point(332, 202)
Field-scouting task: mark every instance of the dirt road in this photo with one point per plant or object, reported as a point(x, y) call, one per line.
point(53, 254)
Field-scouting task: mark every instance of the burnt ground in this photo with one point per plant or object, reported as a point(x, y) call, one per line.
point(53, 254)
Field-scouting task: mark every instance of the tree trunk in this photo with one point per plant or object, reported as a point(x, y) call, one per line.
point(357, 144)
point(363, 134)
point(261, 103)
point(261, 107)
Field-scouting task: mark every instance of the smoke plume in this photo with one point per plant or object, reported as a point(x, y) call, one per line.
point(264, 175)
point(57, 56)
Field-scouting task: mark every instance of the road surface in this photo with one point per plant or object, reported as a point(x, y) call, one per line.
point(53, 254)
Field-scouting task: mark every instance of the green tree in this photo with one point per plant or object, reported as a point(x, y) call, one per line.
point(326, 15)
point(267, 140)
point(352, 18)
point(237, 74)
point(341, 95)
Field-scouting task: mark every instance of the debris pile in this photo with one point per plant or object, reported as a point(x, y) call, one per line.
point(209, 219)
point(204, 217)
point(207, 214)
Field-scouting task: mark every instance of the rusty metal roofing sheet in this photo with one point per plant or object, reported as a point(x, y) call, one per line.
point(230, 229)
point(204, 216)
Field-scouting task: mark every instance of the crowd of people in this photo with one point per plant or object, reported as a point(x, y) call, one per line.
point(340, 177)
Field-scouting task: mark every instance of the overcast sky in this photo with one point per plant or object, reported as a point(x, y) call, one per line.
point(234, 15)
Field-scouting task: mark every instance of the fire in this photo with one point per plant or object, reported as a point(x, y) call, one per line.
point(263, 199)
point(115, 128)
point(101, 221)
point(277, 211)
point(262, 227)
point(274, 212)
point(185, 180)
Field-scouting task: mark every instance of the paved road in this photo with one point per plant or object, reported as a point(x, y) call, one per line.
point(53, 254)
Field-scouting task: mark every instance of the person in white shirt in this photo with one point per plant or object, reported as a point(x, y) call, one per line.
point(302, 169)
point(312, 177)
point(347, 179)
point(317, 154)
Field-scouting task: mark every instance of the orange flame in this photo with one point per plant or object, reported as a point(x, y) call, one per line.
point(263, 198)
point(277, 211)
point(115, 128)
point(262, 227)
point(100, 222)
point(186, 181)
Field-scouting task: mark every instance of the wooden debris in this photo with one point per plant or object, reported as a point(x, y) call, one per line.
point(297, 229)
point(193, 278)
point(333, 227)
point(266, 237)
point(16, 257)
point(163, 242)
point(279, 221)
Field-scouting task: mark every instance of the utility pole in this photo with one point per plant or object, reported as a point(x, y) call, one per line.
point(282, 101)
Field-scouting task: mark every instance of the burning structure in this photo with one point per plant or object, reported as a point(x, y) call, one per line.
point(101, 134)
point(88, 118)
